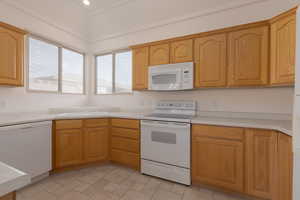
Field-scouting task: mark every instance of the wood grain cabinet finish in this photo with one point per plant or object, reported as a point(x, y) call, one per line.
point(140, 68)
point(261, 151)
point(283, 48)
point(210, 61)
point(285, 167)
point(248, 57)
point(160, 54)
point(182, 51)
point(96, 142)
point(10, 196)
point(11, 55)
point(217, 161)
point(69, 147)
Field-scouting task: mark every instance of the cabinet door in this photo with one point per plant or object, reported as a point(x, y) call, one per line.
point(210, 61)
point(160, 54)
point(68, 147)
point(140, 68)
point(285, 167)
point(261, 149)
point(283, 41)
point(96, 144)
point(249, 57)
point(11, 57)
point(218, 162)
point(182, 51)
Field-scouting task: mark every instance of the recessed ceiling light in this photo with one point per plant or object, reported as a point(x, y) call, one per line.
point(86, 2)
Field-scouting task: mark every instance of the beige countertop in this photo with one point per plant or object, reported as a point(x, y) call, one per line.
point(284, 126)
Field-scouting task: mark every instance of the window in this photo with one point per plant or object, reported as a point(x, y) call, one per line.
point(53, 68)
point(114, 73)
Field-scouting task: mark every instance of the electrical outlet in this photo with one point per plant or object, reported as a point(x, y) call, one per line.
point(2, 104)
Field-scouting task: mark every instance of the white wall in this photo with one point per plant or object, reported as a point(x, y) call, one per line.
point(18, 99)
point(110, 33)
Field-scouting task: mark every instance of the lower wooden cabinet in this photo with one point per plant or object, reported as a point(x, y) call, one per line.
point(69, 147)
point(10, 196)
point(261, 150)
point(217, 160)
point(96, 144)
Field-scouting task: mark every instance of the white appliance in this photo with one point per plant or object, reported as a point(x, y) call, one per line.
point(27, 147)
point(179, 76)
point(166, 141)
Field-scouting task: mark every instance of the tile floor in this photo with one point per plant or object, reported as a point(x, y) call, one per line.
point(110, 182)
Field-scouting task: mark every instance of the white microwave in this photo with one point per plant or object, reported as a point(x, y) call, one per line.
point(169, 77)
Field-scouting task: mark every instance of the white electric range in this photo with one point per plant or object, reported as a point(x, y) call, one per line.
point(166, 141)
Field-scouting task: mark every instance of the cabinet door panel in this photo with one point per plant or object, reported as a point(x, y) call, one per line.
point(218, 163)
point(210, 60)
point(11, 57)
point(160, 54)
point(249, 57)
point(283, 41)
point(68, 147)
point(182, 51)
point(285, 166)
point(96, 144)
point(140, 68)
point(261, 149)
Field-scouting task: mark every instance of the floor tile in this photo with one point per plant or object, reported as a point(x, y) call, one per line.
point(135, 195)
point(166, 195)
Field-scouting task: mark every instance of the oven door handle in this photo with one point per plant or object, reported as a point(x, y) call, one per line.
point(166, 124)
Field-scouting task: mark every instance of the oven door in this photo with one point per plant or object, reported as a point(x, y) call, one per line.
point(166, 142)
point(161, 78)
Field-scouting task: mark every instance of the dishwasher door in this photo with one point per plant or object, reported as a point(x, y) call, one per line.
point(27, 147)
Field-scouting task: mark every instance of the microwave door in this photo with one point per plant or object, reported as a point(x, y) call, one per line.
point(166, 80)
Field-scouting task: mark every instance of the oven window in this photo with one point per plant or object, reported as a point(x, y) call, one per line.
point(164, 79)
point(163, 137)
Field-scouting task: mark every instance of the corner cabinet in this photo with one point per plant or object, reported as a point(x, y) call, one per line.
point(248, 57)
point(283, 49)
point(11, 55)
point(210, 61)
point(140, 68)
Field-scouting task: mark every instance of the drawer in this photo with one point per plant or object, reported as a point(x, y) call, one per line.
point(126, 133)
point(91, 123)
point(220, 132)
point(68, 124)
point(126, 123)
point(126, 158)
point(125, 144)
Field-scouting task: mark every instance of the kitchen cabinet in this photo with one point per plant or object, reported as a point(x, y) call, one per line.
point(285, 167)
point(159, 54)
point(210, 61)
point(140, 68)
point(10, 196)
point(125, 142)
point(69, 147)
point(218, 157)
point(261, 151)
point(11, 55)
point(182, 51)
point(283, 48)
point(96, 142)
point(248, 57)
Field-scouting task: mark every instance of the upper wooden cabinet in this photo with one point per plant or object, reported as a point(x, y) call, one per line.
point(11, 55)
point(140, 68)
point(160, 54)
point(182, 51)
point(261, 151)
point(210, 60)
point(283, 48)
point(248, 57)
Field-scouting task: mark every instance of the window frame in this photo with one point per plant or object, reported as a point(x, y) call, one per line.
point(113, 53)
point(60, 66)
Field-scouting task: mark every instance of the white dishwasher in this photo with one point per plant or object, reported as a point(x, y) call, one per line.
point(27, 147)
